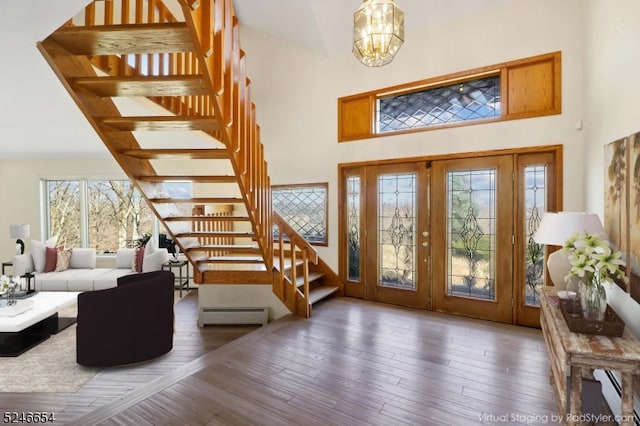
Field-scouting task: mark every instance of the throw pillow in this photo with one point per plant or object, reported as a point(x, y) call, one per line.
point(38, 252)
point(138, 258)
point(124, 258)
point(51, 258)
point(63, 261)
point(154, 261)
point(83, 258)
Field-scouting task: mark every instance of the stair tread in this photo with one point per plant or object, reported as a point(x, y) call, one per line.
point(313, 276)
point(238, 234)
point(319, 293)
point(150, 86)
point(199, 200)
point(125, 39)
point(225, 247)
point(162, 123)
point(178, 153)
point(232, 259)
point(207, 218)
point(193, 178)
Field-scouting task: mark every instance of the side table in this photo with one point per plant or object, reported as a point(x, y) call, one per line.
point(5, 264)
point(574, 356)
point(182, 281)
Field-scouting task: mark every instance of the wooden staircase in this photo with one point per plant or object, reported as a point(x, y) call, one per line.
point(164, 86)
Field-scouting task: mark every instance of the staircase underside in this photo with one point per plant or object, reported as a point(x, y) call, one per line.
point(169, 98)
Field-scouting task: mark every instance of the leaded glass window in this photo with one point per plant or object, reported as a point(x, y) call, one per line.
point(304, 207)
point(462, 101)
point(471, 233)
point(535, 196)
point(353, 228)
point(397, 214)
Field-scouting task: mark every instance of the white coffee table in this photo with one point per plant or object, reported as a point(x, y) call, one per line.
point(26, 329)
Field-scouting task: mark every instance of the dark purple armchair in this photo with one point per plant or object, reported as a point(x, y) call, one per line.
point(130, 323)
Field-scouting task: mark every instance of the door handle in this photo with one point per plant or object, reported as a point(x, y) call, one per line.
point(425, 244)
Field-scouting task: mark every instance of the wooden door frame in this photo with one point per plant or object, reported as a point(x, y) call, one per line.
point(374, 291)
point(500, 307)
point(356, 289)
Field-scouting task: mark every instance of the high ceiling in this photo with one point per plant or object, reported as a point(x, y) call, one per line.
point(38, 118)
point(326, 26)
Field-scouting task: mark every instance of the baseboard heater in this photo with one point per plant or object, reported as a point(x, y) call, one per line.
point(233, 315)
point(612, 391)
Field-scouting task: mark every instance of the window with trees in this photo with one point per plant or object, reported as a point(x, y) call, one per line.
point(101, 214)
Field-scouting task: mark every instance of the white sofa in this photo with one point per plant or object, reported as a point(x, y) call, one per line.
point(82, 274)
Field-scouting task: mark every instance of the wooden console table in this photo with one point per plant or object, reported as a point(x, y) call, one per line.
point(574, 355)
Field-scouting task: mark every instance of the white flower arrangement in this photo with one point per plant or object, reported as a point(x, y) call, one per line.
point(592, 259)
point(8, 283)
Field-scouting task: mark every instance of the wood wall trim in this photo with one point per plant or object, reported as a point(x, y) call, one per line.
point(530, 87)
point(435, 157)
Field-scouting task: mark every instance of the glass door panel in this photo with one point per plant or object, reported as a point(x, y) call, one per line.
point(536, 191)
point(471, 199)
point(397, 209)
point(396, 228)
point(472, 235)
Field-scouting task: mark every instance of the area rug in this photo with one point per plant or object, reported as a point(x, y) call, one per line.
point(50, 366)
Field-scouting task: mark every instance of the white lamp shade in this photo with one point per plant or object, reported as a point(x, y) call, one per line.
point(556, 228)
point(19, 231)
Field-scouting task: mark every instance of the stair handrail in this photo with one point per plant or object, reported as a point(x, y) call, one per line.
point(287, 235)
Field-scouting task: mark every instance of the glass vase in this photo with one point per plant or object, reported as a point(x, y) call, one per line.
point(593, 299)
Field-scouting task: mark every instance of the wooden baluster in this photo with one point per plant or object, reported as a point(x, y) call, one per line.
point(108, 13)
point(217, 73)
point(151, 11)
point(90, 14)
point(125, 11)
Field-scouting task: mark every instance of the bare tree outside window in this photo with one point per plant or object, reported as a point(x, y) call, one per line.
point(64, 211)
point(116, 214)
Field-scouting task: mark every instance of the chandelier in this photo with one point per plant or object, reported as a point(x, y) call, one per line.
point(378, 32)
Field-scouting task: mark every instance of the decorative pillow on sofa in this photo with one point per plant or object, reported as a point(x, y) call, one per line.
point(83, 258)
point(124, 258)
point(38, 252)
point(138, 258)
point(51, 258)
point(64, 260)
point(153, 261)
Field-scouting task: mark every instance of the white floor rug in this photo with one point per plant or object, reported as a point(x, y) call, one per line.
point(50, 366)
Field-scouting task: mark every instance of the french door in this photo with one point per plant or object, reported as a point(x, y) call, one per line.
point(397, 229)
point(452, 235)
point(472, 230)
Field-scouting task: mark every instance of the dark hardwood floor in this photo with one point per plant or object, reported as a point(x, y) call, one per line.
point(352, 363)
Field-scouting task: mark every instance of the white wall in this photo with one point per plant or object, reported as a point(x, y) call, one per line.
point(296, 93)
point(20, 191)
point(611, 63)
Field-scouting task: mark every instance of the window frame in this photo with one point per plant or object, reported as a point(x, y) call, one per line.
point(357, 114)
point(323, 185)
point(83, 184)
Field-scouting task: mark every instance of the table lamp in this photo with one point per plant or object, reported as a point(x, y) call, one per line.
point(19, 231)
point(554, 230)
